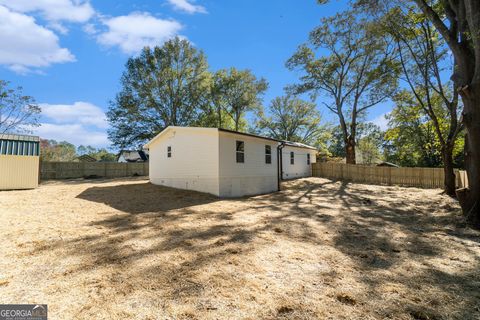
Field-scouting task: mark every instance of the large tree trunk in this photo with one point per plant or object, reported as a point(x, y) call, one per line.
point(350, 150)
point(447, 153)
point(470, 198)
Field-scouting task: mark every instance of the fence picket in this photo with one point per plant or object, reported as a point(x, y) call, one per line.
point(70, 170)
point(409, 177)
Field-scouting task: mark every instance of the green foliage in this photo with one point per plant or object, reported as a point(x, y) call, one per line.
point(357, 72)
point(370, 141)
point(368, 152)
point(411, 138)
point(292, 119)
point(85, 150)
point(232, 94)
point(428, 127)
point(100, 154)
point(163, 86)
point(51, 150)
point(236, 92)
point(18, 113)
point(171, 85)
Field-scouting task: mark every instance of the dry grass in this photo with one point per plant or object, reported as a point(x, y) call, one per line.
point(317, 250)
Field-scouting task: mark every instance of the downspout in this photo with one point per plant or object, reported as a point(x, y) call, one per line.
point(279, 164)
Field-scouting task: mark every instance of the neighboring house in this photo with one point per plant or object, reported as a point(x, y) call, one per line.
point(19, 161)
point(225, 163)
point(132, 156)
point(86, 158)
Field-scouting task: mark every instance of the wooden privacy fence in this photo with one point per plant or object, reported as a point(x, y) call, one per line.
point(408, 177)
point(68, 170)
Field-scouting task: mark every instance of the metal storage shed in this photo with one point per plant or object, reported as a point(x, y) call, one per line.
point(19, 161)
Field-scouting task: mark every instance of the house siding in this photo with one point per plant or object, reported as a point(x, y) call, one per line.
point(254, 176)
point(300, 168)
point(194, 161)
point(204, 159)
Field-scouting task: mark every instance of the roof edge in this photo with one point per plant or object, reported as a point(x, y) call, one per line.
point(289, 143)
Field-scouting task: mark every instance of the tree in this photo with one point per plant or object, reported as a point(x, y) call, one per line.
point(103, 154)
point(51, 150)
point(17, 111)
point(412, 139)
point(236, 92)
point(215, 113)
point(291, 119)
point(370, 143)
point(458, 22)
point(358, 73)
point(100, 154)
point(85, 150)
point(218, 99)
point(422, 55)
point(163, 86)
point(369, 133)
point(368, 151)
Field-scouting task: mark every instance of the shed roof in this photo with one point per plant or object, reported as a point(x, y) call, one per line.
point(18, 137)
point(289, 143)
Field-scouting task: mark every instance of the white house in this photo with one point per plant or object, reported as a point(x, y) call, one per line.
point(223, 162)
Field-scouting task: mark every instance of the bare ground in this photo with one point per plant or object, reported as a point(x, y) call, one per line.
point(320, 249)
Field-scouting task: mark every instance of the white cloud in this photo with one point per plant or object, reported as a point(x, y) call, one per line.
point(78, 123)
point(28, 45)
point(73, 133)
point(186, 6)
point(90, 29)
point(80, 112)
point(381, 121)
point(135, 31)
point(54, 10)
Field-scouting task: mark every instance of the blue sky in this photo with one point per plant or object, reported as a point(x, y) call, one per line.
point(70, 54)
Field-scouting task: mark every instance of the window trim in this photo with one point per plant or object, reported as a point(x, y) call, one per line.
point(239, 152)
point(268, 154)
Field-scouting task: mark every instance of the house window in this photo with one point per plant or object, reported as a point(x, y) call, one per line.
point(268, 154)
point(169, 151)
point(292, 158)
point(240, 152)
point(308, 158)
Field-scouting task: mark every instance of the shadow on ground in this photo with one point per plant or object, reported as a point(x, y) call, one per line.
point(145, 197)
point(412, 257)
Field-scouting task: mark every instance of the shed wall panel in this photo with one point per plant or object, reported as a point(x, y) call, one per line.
point(18, 172)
